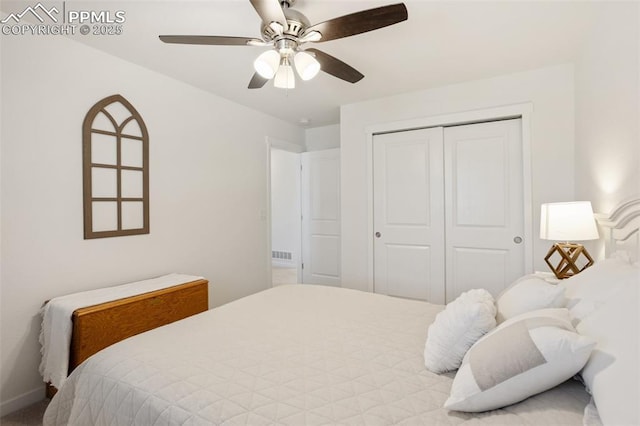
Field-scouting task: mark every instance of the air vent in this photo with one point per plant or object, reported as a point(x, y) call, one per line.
point(284, 255)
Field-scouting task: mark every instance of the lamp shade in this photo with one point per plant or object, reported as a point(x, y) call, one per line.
point(572, 221)
point(306, 65)
point(284, 77)
point(267, 64)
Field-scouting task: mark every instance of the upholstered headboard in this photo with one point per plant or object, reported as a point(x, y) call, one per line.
point(621, 229)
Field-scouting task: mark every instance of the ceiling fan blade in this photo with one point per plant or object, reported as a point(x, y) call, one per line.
point(257, 81)
point(270, 11)
point(360, 22)
point(336, 67)
point(209, 40)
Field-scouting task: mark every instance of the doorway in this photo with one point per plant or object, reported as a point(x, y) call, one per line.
point(285, 201)
point(303, 215)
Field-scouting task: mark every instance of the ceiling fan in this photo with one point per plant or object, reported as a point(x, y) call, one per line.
point(286, 30)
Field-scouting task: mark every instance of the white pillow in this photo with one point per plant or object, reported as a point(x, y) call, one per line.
point(612, 374)
point(456, 328)
point(591, 288)
point(529, 293)
point(523, 356)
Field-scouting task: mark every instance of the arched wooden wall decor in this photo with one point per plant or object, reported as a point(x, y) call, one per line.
point(115, 149)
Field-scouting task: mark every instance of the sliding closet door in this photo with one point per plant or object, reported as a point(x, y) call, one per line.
point(408, 214)
point(484, 206)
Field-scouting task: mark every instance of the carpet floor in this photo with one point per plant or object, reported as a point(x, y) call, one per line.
point(28, 416)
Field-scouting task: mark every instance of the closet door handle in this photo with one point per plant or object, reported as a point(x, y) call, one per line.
point(517, 239)
point(378, 235)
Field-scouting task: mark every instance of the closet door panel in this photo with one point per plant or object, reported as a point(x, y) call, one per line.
point(484, 206)
point(407, 184)
point(408, 214)
point(483, 267)
point(480, 176)
point(409, 267)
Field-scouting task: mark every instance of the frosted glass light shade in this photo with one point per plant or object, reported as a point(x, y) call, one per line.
point(571, 221)
point(306, 65)
point(267, 64)
point(284, 77)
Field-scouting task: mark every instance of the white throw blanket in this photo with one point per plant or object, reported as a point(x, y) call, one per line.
point(55, 334)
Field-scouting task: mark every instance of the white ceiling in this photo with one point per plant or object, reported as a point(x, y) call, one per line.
point(442, 42)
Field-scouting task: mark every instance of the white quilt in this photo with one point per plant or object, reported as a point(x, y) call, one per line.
point(292, 355)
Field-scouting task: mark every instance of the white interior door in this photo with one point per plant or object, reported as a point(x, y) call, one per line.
point(408, 214)
point(321, 217)
point(484, 205)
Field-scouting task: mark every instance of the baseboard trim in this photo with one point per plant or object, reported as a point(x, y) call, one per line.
point(279, 263)
point(22, 401)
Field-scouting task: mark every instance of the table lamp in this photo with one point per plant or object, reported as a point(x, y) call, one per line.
point(571, 221)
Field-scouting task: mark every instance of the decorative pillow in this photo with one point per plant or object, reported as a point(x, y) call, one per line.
point(455, 329)
point(591, 288)
point(612, 372)
point(529, 293)
point(523, 356)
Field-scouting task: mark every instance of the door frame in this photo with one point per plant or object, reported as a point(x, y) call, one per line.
point(273, 143)
point(523, 111)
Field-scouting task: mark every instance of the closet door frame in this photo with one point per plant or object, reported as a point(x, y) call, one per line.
point(524, 111)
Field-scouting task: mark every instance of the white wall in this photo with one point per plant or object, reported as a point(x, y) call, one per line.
point(324, 137)
point(608, 108)
point(208, 171)
point(550, 90)
point(285, 205)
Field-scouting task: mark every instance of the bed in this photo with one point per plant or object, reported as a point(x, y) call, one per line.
point(296, 355)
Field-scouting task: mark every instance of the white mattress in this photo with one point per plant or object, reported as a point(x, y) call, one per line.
point(292, 355)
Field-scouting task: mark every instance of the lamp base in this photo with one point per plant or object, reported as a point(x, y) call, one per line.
point(570, 262)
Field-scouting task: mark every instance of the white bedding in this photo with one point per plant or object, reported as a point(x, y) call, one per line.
point(291, 355)
point(55, 333)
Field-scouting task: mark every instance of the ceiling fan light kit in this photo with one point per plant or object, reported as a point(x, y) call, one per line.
point(284, 78)
point(286, 30)
point(267, 64)
point(306, 65)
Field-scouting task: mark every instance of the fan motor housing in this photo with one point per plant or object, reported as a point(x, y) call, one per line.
point(296, 24)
